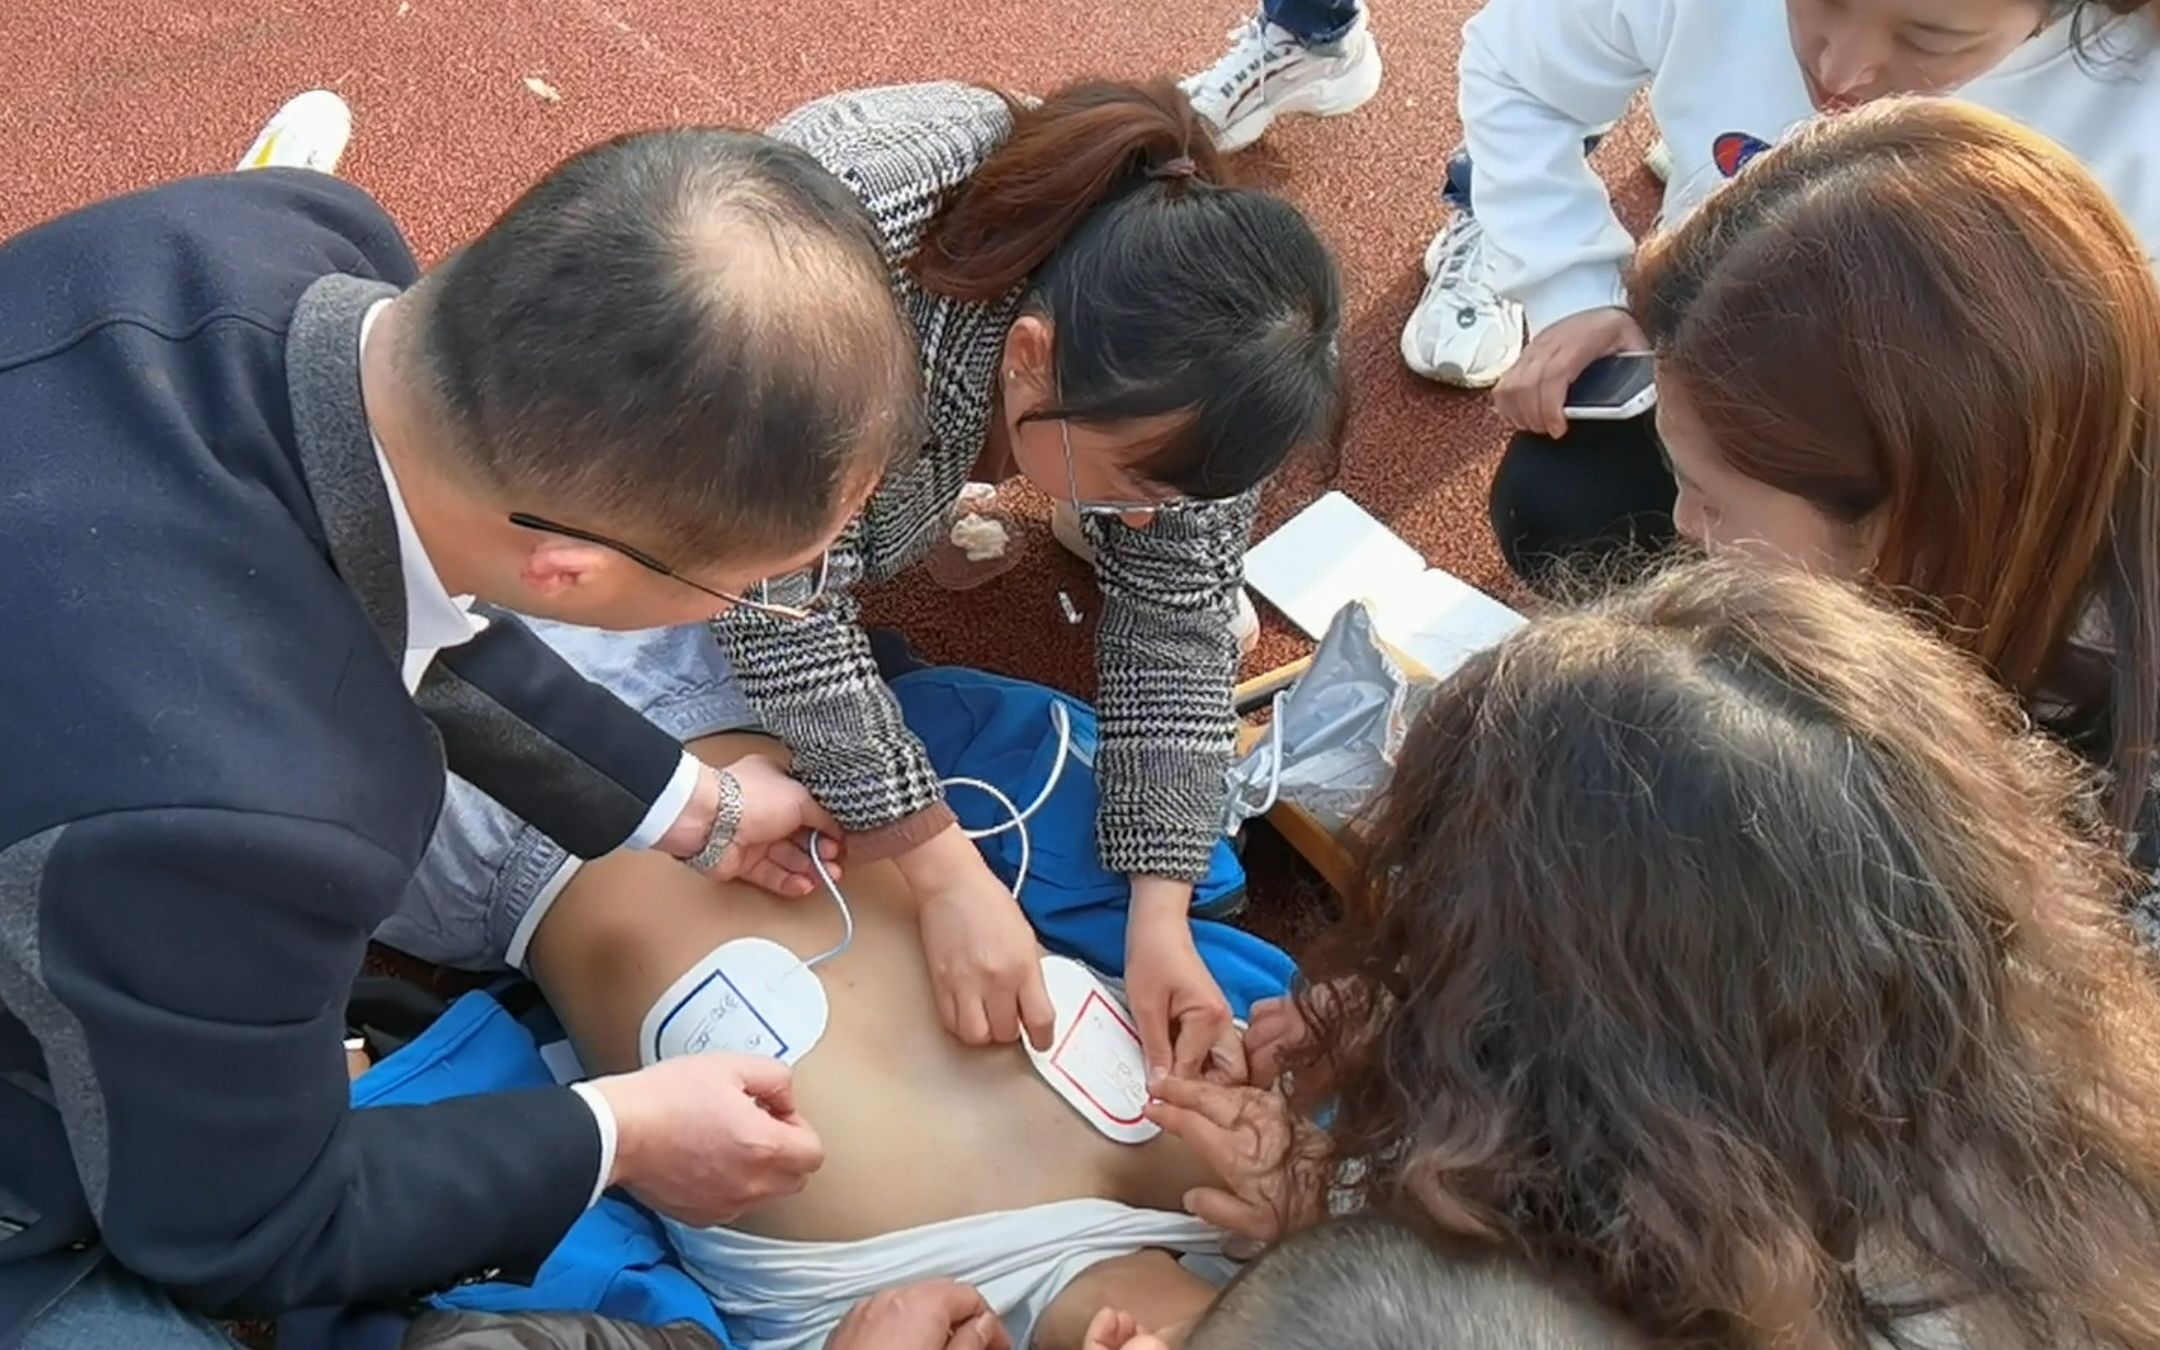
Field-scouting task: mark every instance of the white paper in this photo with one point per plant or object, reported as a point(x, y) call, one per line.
point(1095, 1061)
point(748, 997)
point(1334, 552)
point(1439, 620)
point(1325, 556)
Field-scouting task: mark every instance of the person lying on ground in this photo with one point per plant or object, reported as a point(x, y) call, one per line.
point(1364, 1282)
point(941, 1159)
point(1740, 955)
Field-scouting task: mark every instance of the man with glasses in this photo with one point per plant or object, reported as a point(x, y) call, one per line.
point(258, 472)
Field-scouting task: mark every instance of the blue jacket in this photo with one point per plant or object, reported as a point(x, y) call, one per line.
point(216, 784)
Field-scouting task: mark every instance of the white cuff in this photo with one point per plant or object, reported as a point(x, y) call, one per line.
point(669, 808)
point(521, 937)
point(1577, 290)
point(604, 1117)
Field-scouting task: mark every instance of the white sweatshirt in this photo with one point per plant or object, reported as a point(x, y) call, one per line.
point(1538, 75)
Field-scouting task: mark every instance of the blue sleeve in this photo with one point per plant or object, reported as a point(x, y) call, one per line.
point(196, 962)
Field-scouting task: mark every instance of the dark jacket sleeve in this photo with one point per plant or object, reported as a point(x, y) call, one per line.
point(519, 723)
point(193, 963)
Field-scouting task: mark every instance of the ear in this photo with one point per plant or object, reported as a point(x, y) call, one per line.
point(554, 567)
point(1029, 374)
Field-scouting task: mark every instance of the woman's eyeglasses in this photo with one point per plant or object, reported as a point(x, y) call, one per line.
point(651, 564)
point(1149, 509)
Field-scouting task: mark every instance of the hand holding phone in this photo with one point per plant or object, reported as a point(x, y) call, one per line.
point(1613, 389)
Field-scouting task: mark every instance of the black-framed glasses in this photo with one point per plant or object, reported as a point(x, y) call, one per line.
point(1150, 509)
point(772, 609)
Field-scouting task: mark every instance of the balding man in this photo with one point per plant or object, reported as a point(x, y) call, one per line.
point(255, 468)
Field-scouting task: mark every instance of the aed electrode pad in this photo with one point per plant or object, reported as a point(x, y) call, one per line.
point(1094, 1061)
point(747, 997)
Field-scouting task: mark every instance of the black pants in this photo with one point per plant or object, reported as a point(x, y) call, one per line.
point(1599, 499)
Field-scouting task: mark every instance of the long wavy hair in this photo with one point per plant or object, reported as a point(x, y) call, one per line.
point(1930, 321)
point(1739, 955)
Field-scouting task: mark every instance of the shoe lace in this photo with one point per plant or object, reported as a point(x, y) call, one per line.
point(1462, 271)
point(1245, 58)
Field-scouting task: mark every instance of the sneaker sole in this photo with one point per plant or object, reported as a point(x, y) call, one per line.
point(1336, 99)
point(1448, 373)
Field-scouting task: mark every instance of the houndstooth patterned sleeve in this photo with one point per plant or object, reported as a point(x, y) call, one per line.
point(816, 686)
point(1167, 655)
point(902, 149)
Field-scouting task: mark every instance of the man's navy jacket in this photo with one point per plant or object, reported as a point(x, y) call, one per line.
point(216, 784)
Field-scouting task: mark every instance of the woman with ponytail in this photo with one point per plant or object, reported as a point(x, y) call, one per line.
point(1101, 312)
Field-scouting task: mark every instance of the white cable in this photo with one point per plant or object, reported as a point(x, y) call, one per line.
point(1018, 821)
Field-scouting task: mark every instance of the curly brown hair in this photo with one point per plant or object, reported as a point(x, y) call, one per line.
point(1744, 959)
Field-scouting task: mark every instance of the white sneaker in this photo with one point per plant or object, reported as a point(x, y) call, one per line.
point(1658, 160)
point(1267, 72)
point(309, 132)
point(1065, 528)
point(1462, 332)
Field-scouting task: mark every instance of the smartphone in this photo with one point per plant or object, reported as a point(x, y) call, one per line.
point(1613, 389)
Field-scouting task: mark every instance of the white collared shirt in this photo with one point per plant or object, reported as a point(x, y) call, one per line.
point(435, 619)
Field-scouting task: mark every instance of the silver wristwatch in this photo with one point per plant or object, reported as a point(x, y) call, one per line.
point(726, 820)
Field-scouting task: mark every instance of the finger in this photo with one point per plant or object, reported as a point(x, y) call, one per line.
point(1503, 404)
point(831, 848)
point(1199, 1134)
point(767, 875)
point(982, 1332)
point(1217, 1105)
point(1109, 1329)
point(1263, 1064)
point(1037, 1013)
point(1196, 1033)
point(796, 1150)
point(818, 818)
point(1226, 1061)
point(790, 855)
point(1153, 1016)
point(1552, 400)
point(1002, 1008)
point(1231, 1214)
point(974, 1027)
point(769, 1082)
point(1264, 1034)
point(957, 1303)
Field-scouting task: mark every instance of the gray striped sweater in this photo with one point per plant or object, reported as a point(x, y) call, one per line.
point(1165, 652)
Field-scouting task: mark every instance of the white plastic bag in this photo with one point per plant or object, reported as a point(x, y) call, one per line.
point(1336, 732)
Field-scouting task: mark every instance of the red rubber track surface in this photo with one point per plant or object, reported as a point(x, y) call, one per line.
point(108, 95)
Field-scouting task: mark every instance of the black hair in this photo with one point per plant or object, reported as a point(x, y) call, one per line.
point(689, 335)
point(1169, 292)
point(2096, 56)
point(1370, 1282)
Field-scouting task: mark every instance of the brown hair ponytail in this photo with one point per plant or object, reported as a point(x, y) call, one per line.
point(1066, 156)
